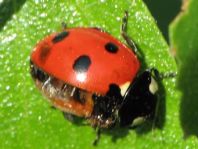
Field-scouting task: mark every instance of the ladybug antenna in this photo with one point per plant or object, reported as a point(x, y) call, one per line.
point(160, 75)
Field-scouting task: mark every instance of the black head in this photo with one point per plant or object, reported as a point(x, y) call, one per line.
point(139, 100)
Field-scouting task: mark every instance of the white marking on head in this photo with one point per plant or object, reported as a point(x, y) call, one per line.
point(153, 87)
point(124, 88)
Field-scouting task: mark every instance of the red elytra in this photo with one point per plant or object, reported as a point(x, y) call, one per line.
point(57, 59)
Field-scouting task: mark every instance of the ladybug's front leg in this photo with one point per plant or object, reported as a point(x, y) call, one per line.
point(98, 134)
point(74, 119)
point(128, 39)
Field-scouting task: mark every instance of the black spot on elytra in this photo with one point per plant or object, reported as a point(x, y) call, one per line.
point(45, 51)
point(60, 36)
point(111, 47)
point(82, 64)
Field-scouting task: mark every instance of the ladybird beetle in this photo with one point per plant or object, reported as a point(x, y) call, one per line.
point(87, 73)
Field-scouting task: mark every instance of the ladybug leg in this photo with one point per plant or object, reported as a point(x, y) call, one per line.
point(98, 134)
point(74, 119)
point(53, 107)
point(68, 117)
point(158, 76)
point(124, 34)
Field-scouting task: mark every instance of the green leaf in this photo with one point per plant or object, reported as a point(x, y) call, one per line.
point(184, 33)
point(27, 121)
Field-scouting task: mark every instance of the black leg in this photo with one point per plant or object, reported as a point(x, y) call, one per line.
point(129, 41)
point(68, 117)
point(98, 134)
point(74, 119)
point(158, 76)
point(52, 107)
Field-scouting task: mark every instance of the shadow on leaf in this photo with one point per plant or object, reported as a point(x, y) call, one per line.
point(164, 12)
point(184, 38)
point(7, 9)
point(187, 83)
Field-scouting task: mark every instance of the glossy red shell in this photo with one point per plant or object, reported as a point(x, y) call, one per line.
point(57, 59)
